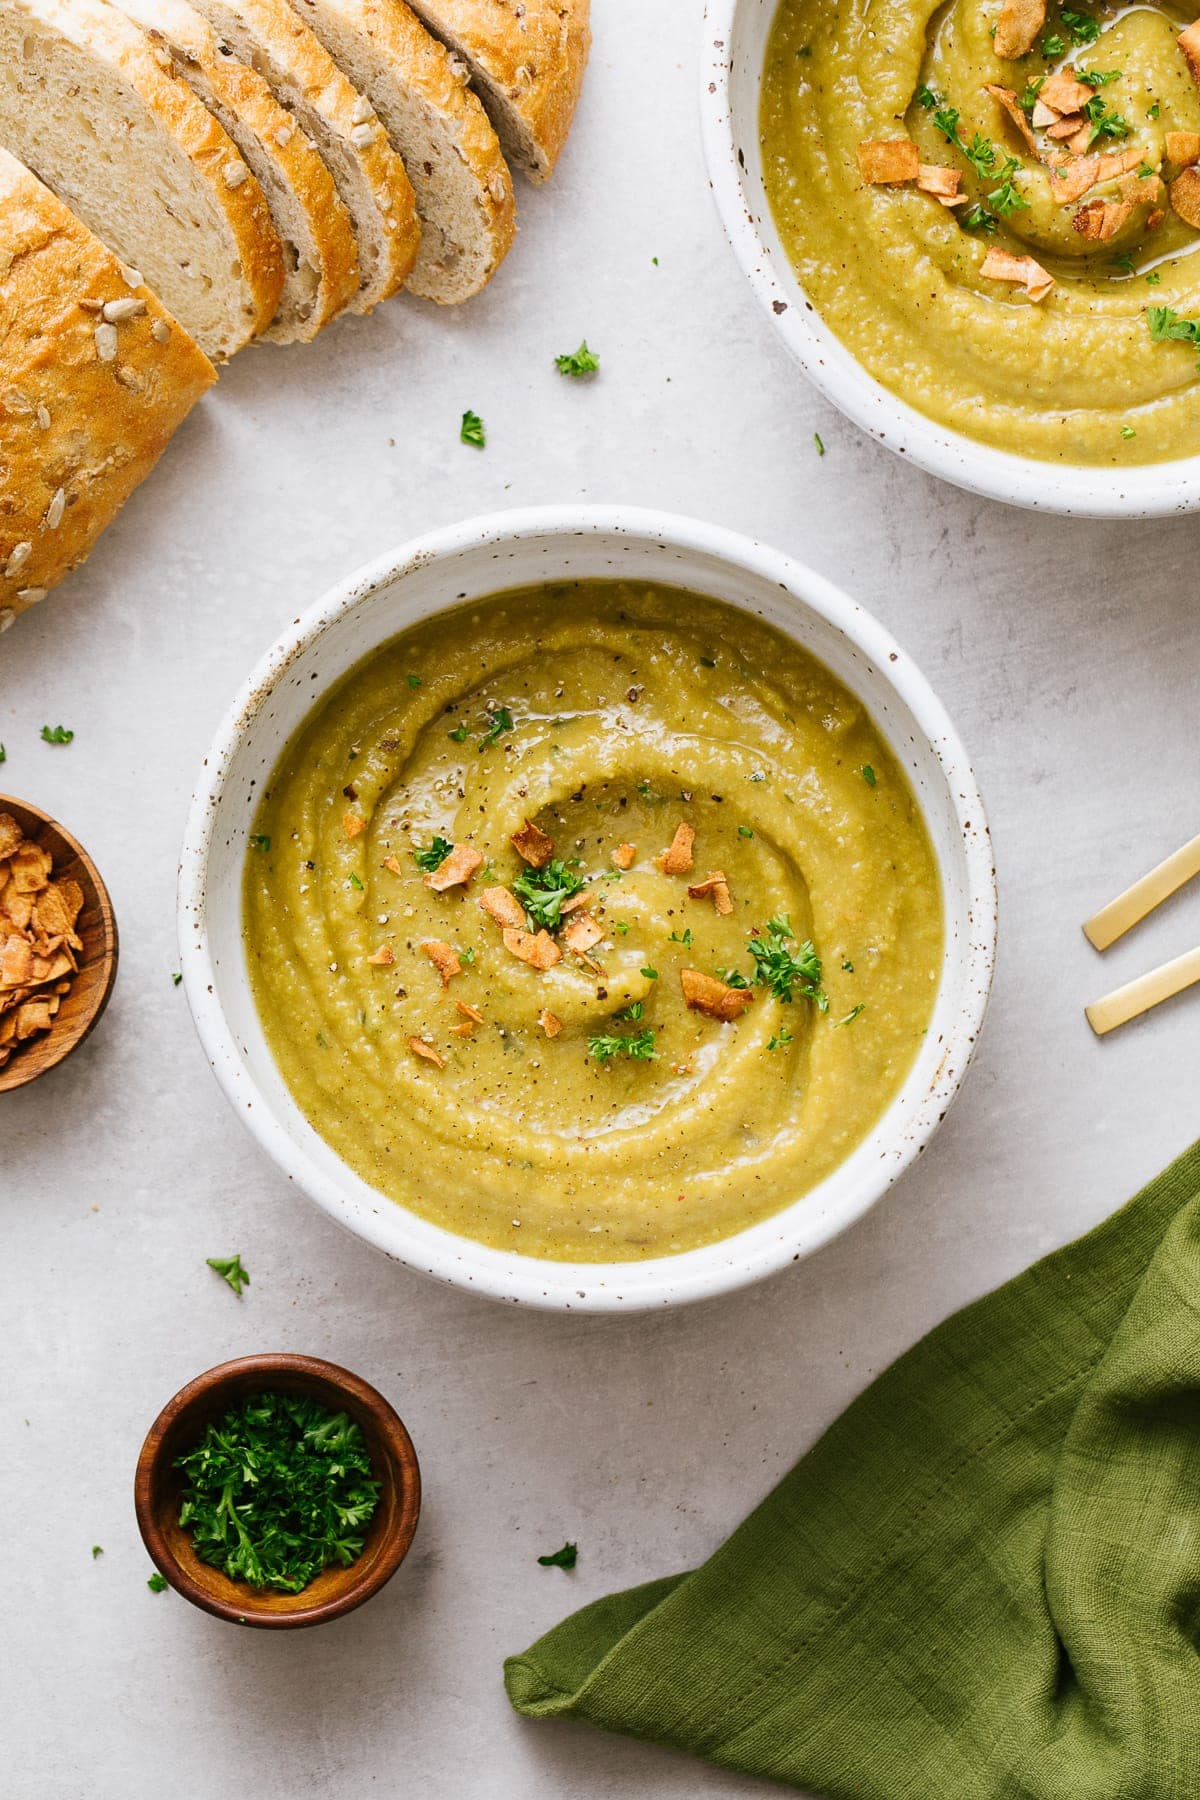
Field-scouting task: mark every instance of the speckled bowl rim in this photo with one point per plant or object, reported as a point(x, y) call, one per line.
point(733, 154)
point(762, 1249)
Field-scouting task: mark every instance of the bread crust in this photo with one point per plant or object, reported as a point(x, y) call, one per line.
point(78, 430)
point(419, 62)
point(294, 159)
point(527, 60)
point(333, 97)
point(94, 26)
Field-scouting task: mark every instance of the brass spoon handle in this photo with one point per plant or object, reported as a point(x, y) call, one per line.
point(1148, 990)
point(1129, 908)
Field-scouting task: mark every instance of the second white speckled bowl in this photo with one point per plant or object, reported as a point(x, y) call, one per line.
point(553, 544)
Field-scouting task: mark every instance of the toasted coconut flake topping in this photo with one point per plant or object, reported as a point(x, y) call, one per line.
point(1189, 43)
point(38, 939)
point(392, 863)
point(1017, 27)
point(383, 958)
point(677, 858)
point(704, 993)
point(1155, 219)
point(549, 1024)
point(444, 958)
point(469, 1012)
point(454, 869)
point(888, 162)
point(582, 898)
point(624, 856)
point(582, 934)
point(532, 845)
point(1183, 148)
point(419, 1047)
point(1065, 130)
point(1100, 220)
point(1185, 197)
point(1071, 177)
point(1063, 93)
point(715, 884)
point(1006, 98)
point(501, 904)
point(540, 951)
point(1000, 265)
point(353, 824)
point(942, 183)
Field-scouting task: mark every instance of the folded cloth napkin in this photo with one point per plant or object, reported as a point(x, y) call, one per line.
point(982, 1583)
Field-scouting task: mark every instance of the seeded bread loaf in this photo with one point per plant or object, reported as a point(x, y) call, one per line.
point(370, 176)
point(526, 60)
point(320, 250)
point(463, 187)
point(100, 116)
point(95, 375)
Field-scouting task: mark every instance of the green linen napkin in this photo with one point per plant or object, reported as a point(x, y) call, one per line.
point(982, 1583)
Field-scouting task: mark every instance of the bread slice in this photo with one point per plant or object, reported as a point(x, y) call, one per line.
point(370, 177)
point(526, 59)
point(320, 250)
point(87, 103)
point(95, 375)
point(463, 187)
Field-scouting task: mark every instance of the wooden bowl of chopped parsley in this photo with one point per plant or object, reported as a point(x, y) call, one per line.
point(277, 1490)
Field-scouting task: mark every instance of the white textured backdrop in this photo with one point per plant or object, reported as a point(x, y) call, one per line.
point(1066, 652)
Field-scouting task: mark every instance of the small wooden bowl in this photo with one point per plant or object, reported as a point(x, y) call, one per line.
point(88, 994)
point(158, 1486)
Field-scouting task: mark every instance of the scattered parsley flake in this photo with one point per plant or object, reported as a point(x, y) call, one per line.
point(1153, 279)
point(781, 1040)
point(869, 776)
point(848, 965)
point(433, 857)
point(650, 974)
point(472, 431)
point(57, 734)
point(1127, 431)
point(1153, 111)
point(500, 721)
point(683, 937)
point(3, 754)
point(977, 218)
point(261, 842)
point(622, 926)
point(855, 1012)
point(176, 978)
point(1105, 122)
point(1053, 46)
point(818, 443)
point(356, 883)
point(1097, 78)
point(278, 1489)
point(926, 96)
point(230, 1269)
point(1082, 27)
point(157, 1583)
point(414, 681)
point(565, 1558)
point(578, 362)
point(632, 1012)
point(459, 735)
point(97, 1550)
point(745, 831)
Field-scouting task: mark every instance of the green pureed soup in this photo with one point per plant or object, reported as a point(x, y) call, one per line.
point(557, 1048)
point(1095, 372)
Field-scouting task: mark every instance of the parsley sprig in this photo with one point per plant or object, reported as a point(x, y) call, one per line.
point(277, 1489)
point(434, 856)
point(1082, 27)
point(1166, 326)
point(578, 362)
point(1005, 198)
point(230, 1269)
point(639, 1046)
point(1105, 122)
point(786, 967)
point(544, 892)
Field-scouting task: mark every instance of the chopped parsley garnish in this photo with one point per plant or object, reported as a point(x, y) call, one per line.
point(278, 1489)
point(414, 681)
point(356, 883)
point(818, 443)
point(784, 969)
point(855, 1012)
point(578, 362)
point(683, 937)
point(97, 1550)
point(986, 161)
point(650, 974)
point(565, 1558)
point(1124, 263)
point(847, 965)
point(869, 775)
point(1152, 112)
point(926, 96)
point(434, 856)
point(1166, 326)
point(1032, 90)
point(459, 735)
point(261, 842)
point(639, 1046)
point(544, 892)
point(472, 430)
point(56, 734)
point(157, 1583)
point(176, 978)
point(1053, 46)
point(1127, 431)
point(3, 754)
point(745, 831)
point(1153, 278)
point(1105, 122)
point(1097, 78)
point(781, 1040)
point(1082, 27)
point(977, 218)
point(230, 1269)
point(500, 721)
point(632, 1012)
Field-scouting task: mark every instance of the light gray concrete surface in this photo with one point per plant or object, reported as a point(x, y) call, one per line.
point(1068, 655)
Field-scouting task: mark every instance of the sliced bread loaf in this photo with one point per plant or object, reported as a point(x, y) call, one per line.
point(95, 375)
point(320, 251)
point(370, 176)
point(463, 187)
point(526, 59)
point(94, 110)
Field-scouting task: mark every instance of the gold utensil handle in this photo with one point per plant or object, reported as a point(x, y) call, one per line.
point(1148, 990)
point(1129, 908)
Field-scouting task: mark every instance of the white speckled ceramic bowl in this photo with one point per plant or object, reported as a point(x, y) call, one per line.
point(733, 53)
point(510, 550)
